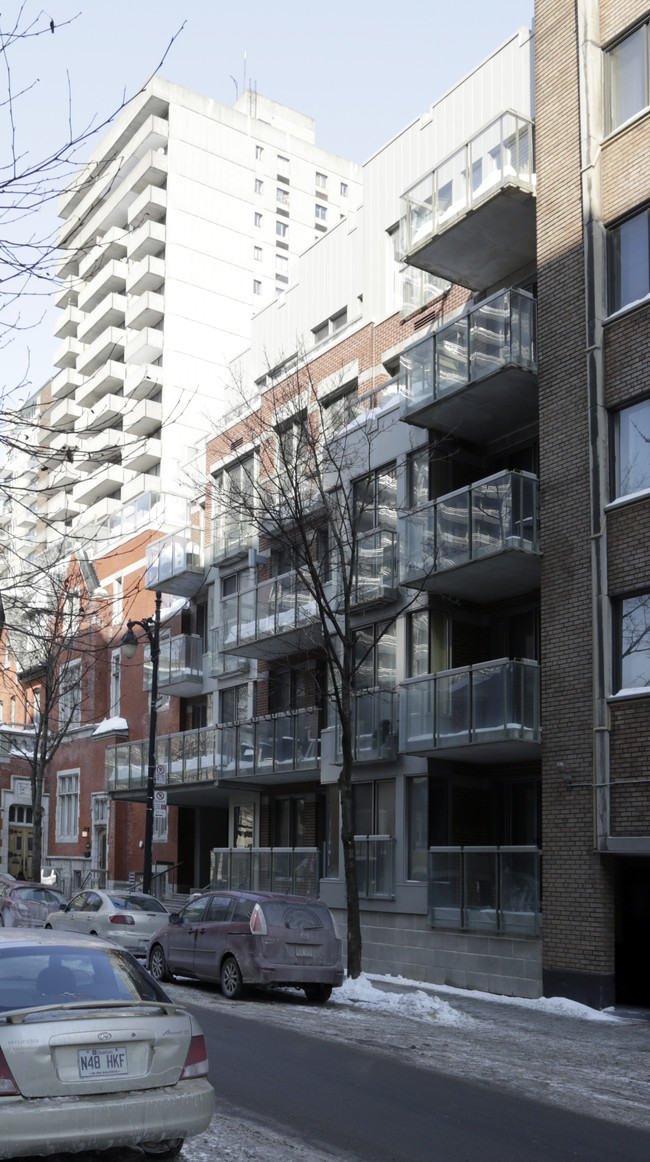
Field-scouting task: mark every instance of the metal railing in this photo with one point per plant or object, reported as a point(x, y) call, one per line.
point(375, 856)
point(374, 726)
point(181, 660)
point(292, 870)
point(485, 889)
point(172, 556)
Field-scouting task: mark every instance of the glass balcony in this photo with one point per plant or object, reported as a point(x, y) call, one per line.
point(479, 713)
point(480, 543)
point(472, 220)
point(477, 376)
point(180, 666)
point(180, 758)
point(292, 870)
point(221, 664)
point(277, 744)
point(374, 726)
point(375, 579)
point(232, 536)
point(175, 563)
point(375, 866)
point(276, 618)
point(485, 889)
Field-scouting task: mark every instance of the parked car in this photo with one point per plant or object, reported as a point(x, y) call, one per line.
point(7, 878)
point(93, 1054)
point(128, 918)
point(251, 938)
point(27, 905)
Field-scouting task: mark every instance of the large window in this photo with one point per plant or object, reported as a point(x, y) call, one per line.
point(70, 695)
point(233, 703)
point(427, 643)
point(375, 500)
point(632, 449)
point(628, 262)
point(233, 490)
point(373, 806)
point(635, 642)
point(340, 410)
point(375, 656)
point(67, 806)
point(627, 77)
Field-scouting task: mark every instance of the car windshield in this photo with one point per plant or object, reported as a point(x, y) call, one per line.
point(138, 903)
point(303, 916)
point(58, 974)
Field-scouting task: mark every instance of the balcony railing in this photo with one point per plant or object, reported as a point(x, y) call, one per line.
point(180, 666)
point(495, 161)
point(232, 536)
point(375, 866)
point(190, 757)
point(292, 870)
point(486, 889)
point(374, 727)
point(222, 664)
point(494, 702)
point(496, 343)
point(375, 575)
point(274, 618)
point(489, 531)
point(175, 563)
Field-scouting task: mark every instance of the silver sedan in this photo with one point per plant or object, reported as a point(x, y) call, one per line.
point(128, 918)
point(93, 1054)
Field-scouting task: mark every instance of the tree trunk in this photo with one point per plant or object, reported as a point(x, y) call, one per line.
point(350, 859)
point(37, 819)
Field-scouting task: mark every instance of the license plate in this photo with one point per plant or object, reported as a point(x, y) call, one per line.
point(103, 1062)
point(304, 950)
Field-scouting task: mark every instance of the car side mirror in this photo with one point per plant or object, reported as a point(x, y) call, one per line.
point(175, 918)
point(62, 907)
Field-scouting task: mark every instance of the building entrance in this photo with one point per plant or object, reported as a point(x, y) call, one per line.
point(633, 932)
point(20, 842)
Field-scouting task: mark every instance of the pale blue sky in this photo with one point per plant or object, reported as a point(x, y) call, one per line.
point(362, 68)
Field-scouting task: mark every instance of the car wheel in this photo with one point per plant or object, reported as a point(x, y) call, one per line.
point(165, 1151)
point(49, 926)
point(158, 966)
point(232, 985)
point(318, 994)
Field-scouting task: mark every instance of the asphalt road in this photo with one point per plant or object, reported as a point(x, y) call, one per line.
point(347, 1100)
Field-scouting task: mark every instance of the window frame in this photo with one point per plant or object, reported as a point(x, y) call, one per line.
point(619, 642)
point(611, 124)
point(68, 715)
point(67, 805)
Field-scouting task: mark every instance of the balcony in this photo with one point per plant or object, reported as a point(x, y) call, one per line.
point(375, 856)
point(277, 618)
point(65, 383)
point(63, 414)
point(375, 576)
point(232, 536)
point(142, 382)
point(476, 377)
point(66, 294)
point(151, 205)
point(99, 484)
point(143, 417)
point(100, 448)
point(108, 410)
point(148, 239)
point(107, 380)
point(67, 323)
point(108, 347)
point(222, 665)
point(263, 748)
point(181, 759)
point(180, 666)
point(108, 313)
point(480, 543)
point(146, 275)
point(67, 353)
point(111, 279)
point(144, 346)
point(137, 486)
point(61, 507)
point(145, 310)
point(290, 870)
point(485, 889)
point(175, 563)
point(141, 454)
point(113, 244)
point(484, 713)
point(374, 727)
point(472, 220)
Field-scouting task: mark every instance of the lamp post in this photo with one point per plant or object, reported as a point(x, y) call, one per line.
point(151, 627)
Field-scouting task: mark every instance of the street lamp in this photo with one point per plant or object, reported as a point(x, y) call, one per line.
point(151, 627)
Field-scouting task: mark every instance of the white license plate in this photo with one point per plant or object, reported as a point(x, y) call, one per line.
point(304, 950)
point(103, 1062)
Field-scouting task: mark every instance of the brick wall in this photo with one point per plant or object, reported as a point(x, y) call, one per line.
point(617, 15)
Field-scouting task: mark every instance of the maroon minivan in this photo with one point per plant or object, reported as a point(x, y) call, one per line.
point(251, 938)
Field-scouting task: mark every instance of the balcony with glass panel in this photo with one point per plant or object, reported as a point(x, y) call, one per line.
point(277, 618)
point(291, 870)
point(233, 535)
point(472, 219)
point(485, 889)
point(375, 857)
point(375, 575)
point(180, 666)
point(181, 759)
point(488, 712)
point(175, 563)
point(480, 543)
point(374, 727)
point(262, 749)
point(477, 376)
point(221, 664)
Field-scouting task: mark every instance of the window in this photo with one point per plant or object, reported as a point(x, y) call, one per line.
point(627, 77)
point(282, 197)
point(233, 703)
point(340, 410)
point(632, 449)
point(257, 253)
point(427, 643)
point(375, 499)
point(281, 229)
point(635, 642)
point(118, 600)
point(67, 806)
point(293, 446)
point(13, 710)
point(234, 491)
point(281, 265)
point(70, 695)
point(257, 286)
point(321, 212)
point(258, 219)
point(71, 612)
point(343, 189)
point(283, 165)
point(321, 181)
point(2, 711)
point(628, 260)
point(321, 333)
point(337, 322)
point(259, 185)
point(259, 152)
point(375, 656)
point(373, 805)
point(116, 677)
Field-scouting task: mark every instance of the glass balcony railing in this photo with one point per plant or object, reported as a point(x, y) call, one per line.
point(374, 727)
point(499, 333)
point(375, 866)
point(492, 702)
point(175, 563)
point(232, 535)
point(180, 665)
point(498, 156)
point(490, 517)
point(292, 870)
point(485, 889)
point(375, 575)
point(220, 663)
point(189, 757)
point(278, 607)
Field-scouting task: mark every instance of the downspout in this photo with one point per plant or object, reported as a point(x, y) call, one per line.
point(590, 81)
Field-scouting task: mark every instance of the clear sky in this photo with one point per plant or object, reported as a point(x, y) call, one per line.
point(362, 68)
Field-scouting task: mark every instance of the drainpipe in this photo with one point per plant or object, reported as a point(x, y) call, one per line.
point(590, 74)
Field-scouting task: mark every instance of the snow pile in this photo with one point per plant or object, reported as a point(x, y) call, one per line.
point(110, 725)
point(560, 1006)
point(413, 1003)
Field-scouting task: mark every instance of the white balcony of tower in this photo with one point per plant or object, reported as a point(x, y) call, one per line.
point(63, 446)
point(62, 506)
point(150, 205)
point(108, 379)
point(65, 383)
point(175, 563)
point(111, 245)
point(99, 484)
point(146, 275)
point(108, 313)
point(143, 417)
point(100, 448)
point(145, 310)
point(472, 219)
point(142, 454)
point(130, 180)
point(63, 414)
point(141, 484)
point(67, 353)
point(67, 324)
point(110, 279)
point(145, 346)
point(109, 346)
point(147, 240)
point(142, 381)
point(106, 413)
point(67, 294)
